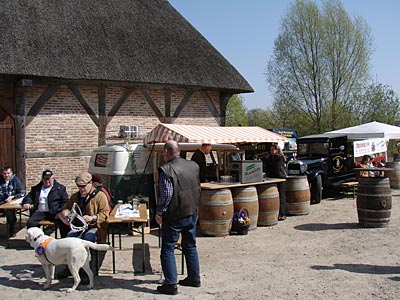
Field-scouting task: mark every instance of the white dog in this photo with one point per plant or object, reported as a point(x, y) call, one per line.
point(73, 252)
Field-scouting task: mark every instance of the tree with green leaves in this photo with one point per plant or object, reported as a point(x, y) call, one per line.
point(236, 112)
point(320, 61)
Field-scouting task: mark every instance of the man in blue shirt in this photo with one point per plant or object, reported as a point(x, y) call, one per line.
point(10, 188)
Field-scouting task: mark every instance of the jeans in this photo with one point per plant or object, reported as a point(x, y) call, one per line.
point(282, 198)
point(170, 235)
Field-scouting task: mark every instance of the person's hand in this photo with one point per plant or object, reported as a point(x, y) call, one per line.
point(158, 219)
point(27, 206)
point(90, 219)
point(9, 199)
point(62, 214)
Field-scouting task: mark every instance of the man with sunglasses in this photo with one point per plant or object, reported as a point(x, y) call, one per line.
point(92, 204)
point(45, 201)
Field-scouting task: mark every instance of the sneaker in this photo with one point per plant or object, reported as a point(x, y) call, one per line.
point(281, 218)
point(190, 282)
point(168, 289)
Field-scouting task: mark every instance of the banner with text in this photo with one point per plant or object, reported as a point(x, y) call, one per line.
point(369, 147)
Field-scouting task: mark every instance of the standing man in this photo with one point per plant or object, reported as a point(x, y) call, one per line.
point(10, 188)
point(46, 200)
point(177, 211)
point(199, 156)
point(274, 167)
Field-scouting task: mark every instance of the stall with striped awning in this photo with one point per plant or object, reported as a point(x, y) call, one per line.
point(212, 135)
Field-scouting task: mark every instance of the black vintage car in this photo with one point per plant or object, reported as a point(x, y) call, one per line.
point(326, 160)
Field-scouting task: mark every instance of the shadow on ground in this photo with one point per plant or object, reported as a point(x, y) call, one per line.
point(324, 226)
point(363, 269)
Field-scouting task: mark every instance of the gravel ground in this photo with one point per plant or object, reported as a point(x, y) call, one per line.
point(322, 255)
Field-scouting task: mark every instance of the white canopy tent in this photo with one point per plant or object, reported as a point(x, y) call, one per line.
point(368, 130)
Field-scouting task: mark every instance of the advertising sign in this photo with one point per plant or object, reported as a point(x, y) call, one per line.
point(369, 147)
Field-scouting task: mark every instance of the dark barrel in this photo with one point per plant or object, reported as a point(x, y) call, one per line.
point(374, 201)
point(216, 212)
point(394, 175)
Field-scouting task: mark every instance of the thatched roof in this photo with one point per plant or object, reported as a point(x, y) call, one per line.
point(135, 41)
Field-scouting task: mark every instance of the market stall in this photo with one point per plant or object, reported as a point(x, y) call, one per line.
point(245, 185)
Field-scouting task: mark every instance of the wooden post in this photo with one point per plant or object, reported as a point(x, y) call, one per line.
point(20, 162)
point(102, 116)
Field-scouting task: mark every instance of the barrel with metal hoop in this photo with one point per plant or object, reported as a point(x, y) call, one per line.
point(246, 197)
point(374, 201)
point(394, 174)
point(268, 203)
point(297, 195)
point(216, 212)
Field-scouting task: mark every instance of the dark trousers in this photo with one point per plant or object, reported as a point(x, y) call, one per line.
point(38, 216)
point(11, 219)
point(282, 198)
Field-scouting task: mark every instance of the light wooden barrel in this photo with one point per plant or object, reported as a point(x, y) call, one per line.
point(297, 195)
point(374, 201)
point(216, 212)
point(246, 197)
point(268, 205)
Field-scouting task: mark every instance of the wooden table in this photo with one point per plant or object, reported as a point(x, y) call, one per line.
point(18, 207)
point(227, 185)
point(142, 219)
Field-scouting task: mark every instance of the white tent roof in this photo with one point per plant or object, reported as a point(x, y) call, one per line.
point(369, 130)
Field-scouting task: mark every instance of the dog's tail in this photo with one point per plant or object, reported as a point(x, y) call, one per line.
point(100, 247)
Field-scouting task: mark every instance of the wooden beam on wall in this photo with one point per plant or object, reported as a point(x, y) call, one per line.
point(113, 111)
point(223, 100)
point(102, 116)
point(20, 163)
point(183, 103)
point(150, 101)
point(210, 104)
point(167, 100)
point(40, 102)
point(74, 89)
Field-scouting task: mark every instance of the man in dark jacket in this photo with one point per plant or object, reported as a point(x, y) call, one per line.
point(199, 157)
point(177, 211)
point(10, 188)
point(46, 200)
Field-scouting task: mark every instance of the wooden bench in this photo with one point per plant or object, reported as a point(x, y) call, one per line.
point(350, 185)
point(46, 223)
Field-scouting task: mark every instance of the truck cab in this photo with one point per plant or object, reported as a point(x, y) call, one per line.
point(326, 160)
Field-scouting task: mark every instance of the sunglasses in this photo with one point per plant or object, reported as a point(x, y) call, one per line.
point(82, 185)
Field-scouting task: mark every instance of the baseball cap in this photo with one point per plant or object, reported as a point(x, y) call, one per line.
point(47, 174)
point(83, 178)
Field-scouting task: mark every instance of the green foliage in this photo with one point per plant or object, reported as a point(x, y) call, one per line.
point(320, 61)
point(236, 112)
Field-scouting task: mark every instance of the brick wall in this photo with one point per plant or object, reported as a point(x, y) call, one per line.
point(63, 125)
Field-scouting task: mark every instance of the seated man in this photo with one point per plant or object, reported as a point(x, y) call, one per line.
point(93, 205)
point(10, 188)
point(46, 200)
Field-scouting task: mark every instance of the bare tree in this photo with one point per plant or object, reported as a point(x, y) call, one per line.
point(320, 60)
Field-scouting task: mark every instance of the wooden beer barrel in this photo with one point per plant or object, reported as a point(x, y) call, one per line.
point(268, 203)
point(216, 212)
point(374, 201)
point(394, 175)
point(297, 195)
point(246, 197)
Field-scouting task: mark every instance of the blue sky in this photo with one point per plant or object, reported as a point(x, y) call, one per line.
point(244, 32)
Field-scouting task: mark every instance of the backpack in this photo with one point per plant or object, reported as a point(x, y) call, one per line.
point(110, 199)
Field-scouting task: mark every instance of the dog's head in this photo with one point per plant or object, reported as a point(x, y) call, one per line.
point(32, 234)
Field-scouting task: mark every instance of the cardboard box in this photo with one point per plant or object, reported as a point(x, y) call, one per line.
point(246, 171)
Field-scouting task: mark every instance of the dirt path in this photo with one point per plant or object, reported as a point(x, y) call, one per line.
point(323, 255)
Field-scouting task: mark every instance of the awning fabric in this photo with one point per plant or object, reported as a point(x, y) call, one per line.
point(212, 135)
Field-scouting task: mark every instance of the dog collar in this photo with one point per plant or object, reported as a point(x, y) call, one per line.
point(41, 249)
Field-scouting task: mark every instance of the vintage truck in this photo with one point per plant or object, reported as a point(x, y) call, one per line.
point(326, 160)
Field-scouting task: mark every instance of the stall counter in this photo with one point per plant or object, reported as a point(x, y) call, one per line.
point(213, 185)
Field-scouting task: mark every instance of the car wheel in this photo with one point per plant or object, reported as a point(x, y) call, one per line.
point(316, 190)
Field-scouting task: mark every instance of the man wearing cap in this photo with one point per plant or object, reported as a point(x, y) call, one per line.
point(46, 200)
point(93, 204)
